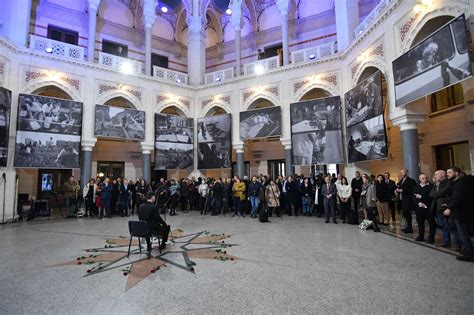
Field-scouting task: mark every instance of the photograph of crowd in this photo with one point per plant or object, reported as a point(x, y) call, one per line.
point(172, 128)
point(367, 140)
point(214, 155)
point(364, 101)
point(5, 109)
point(214, 128)
point(47, 150)
point(440, 60)
point(318, 114)
point(118, 122)
point(169, 155)
point(317, 147)
point(260, 123)
point(47, 114)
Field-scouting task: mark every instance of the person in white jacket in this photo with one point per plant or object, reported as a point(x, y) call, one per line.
point(89, 195)
point(344, 192)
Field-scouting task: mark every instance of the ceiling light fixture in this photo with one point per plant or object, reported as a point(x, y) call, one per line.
point(228, 11)
point(164, 9)
point(312, 56)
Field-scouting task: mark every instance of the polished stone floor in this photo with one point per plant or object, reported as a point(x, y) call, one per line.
point(295, 265)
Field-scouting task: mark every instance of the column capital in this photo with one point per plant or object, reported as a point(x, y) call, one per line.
point(408, 121)
point(238, 147)
point(149, 13)
point(88, 144)
point(93, 5)
point(286, 143)
point(195, 23)
point(147, 147)
point(283, 6)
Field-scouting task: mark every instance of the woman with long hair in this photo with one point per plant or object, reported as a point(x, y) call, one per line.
point(344, 192)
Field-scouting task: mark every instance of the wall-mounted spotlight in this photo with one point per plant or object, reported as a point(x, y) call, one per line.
point(164, 9)
point(126, 68)
point(48, 49)
point(178, 80)
point(312, 56)
point(259, 69)
point(218, 79)
point(228, 11)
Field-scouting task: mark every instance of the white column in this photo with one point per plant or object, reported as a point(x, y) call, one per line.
point(92, 7)
point(149, 17)
point(283, 6)
point(196, 50)
point(236, 19)
point(15, 20)
point(347, 19)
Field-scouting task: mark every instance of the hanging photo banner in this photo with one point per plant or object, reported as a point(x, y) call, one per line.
point(48, 132)
point(174, 147)
point(440, 60)
point(214, 142)
point(260, 123)
point(119, 123)
point(5, 110)
point(366, 133)
point(316, 132)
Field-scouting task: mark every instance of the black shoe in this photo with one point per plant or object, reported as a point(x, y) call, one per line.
point(343, 221)
point(100, 218)
point(234, 215)
point(408, 231)
point(446, 245)
point(335, 222)
point(419, 239)
point(377, 229)
point(465, 258)
point(431, 240)
point(327, 221)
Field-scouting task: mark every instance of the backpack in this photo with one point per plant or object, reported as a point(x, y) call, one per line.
point(263, 215)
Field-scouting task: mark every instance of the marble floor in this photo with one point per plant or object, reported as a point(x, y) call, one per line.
point(294, 265)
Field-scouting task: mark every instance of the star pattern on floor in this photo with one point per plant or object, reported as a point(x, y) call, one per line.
point(136, 267)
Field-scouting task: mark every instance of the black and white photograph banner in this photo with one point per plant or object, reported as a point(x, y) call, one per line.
point(364, 101)
point(212, 155)
point(169, 155)
point(47, 114)
point(5, 110)
point(47, 150)
point(440, 60)
point(172, 128)
point(214, 142)
point(214, 128)
point(367, 140)
point(260, 123)
point(316, 131)
point(118, 122)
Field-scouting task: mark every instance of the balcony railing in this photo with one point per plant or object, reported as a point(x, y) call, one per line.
point(377, 11)
point(170, 75)
point(125, 65)
point(260, 66)
point(313, 53)
point(219, 76)
point(56, 48)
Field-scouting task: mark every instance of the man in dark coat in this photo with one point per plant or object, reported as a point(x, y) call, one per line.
point(329, 192)
point(148, 211)
point(440, 194)
point(423, 209)
point(391, 186)
point(217, 194)
point(105, 198)
point(405, 188)
point(460, 209)
point(356, 185)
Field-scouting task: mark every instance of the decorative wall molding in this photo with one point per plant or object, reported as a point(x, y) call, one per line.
point(328, 81)
point(106, 90)
point(373, 55)
point(270, 92)
point(4, 71)
point(164, 100)
point(33, 78)
point(207, 103)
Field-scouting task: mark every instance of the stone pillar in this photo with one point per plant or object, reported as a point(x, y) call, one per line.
point(289, 168)
point(92, 7)
point(240, 163)
point(146, 167)
point(149, 16)
point(196, 50)
point(347, 20)
point(236, 19)
point(410, 149)
point(86, 164)
point(283, 6)
point(15, 21)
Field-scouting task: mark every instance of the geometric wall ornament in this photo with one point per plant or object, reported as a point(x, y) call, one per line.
point(106, 90)
point(270, 92)
point(329, 81)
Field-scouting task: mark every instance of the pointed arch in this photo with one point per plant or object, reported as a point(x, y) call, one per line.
point(124, 94)
point(268, 97)
point(32, 88)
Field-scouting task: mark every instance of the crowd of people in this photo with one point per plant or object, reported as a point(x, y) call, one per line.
point(445, 202)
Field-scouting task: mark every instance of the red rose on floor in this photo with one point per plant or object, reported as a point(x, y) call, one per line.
point(89, 271)
point(231, 258)
point(125, 273)
point(222, 242)
point(79, 263)
point(78, 258)
point(225, 252)
point(192, 269)
point(152, 271)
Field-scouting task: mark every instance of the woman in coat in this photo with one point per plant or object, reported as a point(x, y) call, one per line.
point(272, 194)
point(369, 197)
point(89, 194)
point(344, 192)
point(382, 193)
point(238, 190)
point(306, 190)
